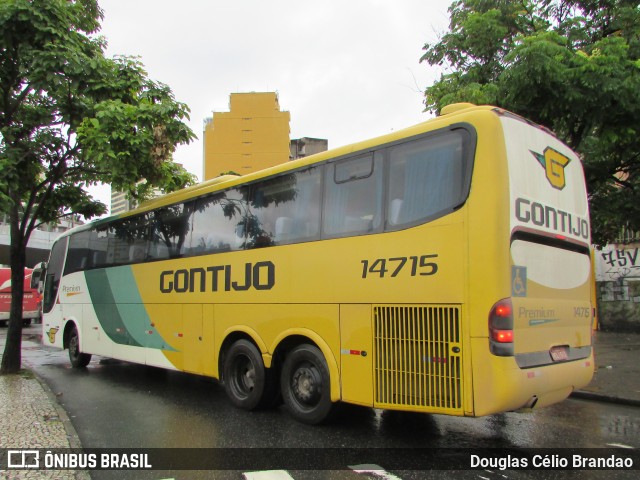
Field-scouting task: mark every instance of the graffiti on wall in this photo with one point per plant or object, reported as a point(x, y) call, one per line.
point(618, 287)
point(618, 263)
point(618, 274)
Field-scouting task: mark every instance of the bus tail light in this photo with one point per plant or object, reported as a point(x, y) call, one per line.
point(501, 328)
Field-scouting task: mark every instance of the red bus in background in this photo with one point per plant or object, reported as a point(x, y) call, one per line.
point(30, 301)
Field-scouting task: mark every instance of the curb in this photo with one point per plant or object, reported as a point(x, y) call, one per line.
point(72, 435)
point(598, 397)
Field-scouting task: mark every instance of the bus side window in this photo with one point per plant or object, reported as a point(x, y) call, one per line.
point(78, 255)
point(137, 253)
point(171, 230)
point(426, 179)
point(283, 230)
point(353, 196)
point(394, 211)
point(285, 209)
point(219, 222)
point(99, 244)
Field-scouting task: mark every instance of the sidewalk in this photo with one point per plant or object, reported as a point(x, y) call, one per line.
point(617, 375)
point(31, 417)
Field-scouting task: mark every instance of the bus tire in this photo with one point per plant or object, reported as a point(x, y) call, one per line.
point(306, 385)
point(245, 379)
point(76, 357)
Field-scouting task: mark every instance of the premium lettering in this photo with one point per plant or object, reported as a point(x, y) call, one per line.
point(536, 313)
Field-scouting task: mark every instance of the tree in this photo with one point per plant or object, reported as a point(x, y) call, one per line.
point(69, 118)
point(570, 65)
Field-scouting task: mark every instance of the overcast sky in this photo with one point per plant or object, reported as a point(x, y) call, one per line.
point(346, 70)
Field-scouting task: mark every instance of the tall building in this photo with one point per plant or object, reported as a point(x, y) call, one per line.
point(120, 203)
point(253, 135)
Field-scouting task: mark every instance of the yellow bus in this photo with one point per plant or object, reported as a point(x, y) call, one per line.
point(444, 268)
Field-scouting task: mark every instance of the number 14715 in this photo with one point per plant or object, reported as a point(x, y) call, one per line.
point(423, 265)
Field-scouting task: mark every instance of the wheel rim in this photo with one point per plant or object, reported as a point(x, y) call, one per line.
point(243, 378)
point(306, 384)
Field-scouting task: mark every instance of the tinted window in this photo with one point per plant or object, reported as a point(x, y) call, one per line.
point(100, 240)
point(122, 242)
point(54, 273)
point(79, 252)
point(285, 209)
point(424, 179)
point(427, 178)
point(82, 254)
point(353, 196)
point(219, 222)
point(170, 233)
point(129, 240)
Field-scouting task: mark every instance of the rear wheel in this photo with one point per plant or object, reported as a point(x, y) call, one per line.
point(76, 357)
point(245, 377)
point(305, 384)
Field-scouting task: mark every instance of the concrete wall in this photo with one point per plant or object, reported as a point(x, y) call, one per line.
point(37, 249)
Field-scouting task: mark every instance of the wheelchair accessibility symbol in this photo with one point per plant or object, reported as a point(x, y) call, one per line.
point(518, 281)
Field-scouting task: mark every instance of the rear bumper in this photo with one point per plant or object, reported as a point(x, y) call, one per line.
point(506, 387)
point(25, 315)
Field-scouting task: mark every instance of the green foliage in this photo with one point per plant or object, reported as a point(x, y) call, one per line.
point(71, 117)
point(571, 65)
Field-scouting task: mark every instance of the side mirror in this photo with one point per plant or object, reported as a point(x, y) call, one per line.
point(38, 275)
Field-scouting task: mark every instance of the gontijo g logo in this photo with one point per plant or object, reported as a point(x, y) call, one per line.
point(553, 163)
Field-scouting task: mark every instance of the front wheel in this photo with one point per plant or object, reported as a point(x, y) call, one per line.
point(305, 384)
point(76, 357)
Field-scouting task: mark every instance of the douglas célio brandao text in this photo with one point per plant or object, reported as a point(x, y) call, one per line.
point(570, 461)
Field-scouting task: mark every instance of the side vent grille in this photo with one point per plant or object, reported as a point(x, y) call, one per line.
point(418, 358)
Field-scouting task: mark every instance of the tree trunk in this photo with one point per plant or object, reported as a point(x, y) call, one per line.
point(12, 357)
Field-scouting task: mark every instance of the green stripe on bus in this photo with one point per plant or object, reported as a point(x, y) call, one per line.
point(120, 310)
point(106, 309)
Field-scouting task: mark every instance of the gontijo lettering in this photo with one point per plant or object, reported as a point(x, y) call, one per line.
point(545, 216)
point(259, 276)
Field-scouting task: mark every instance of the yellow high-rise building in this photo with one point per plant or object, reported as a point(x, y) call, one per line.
point(253, 135)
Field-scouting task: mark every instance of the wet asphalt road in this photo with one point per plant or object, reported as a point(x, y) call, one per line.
point(120, 405)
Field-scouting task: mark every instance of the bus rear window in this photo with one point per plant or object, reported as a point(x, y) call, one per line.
point(551, 266)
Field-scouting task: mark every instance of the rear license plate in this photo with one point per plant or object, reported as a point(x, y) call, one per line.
point(559, 354)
